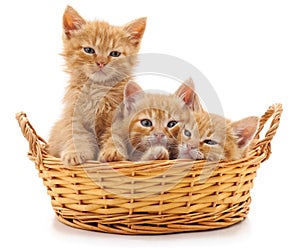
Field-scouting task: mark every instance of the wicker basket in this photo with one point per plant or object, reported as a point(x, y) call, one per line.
point(155, 197)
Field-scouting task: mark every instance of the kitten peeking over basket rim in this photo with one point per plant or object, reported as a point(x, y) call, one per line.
point(147, 124)
point(215, 138)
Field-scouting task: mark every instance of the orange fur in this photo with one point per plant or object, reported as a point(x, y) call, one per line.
point(99, 58)
point(213, 137)
point(130, 139)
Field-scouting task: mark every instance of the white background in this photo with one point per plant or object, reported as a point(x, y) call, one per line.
point(248, 50)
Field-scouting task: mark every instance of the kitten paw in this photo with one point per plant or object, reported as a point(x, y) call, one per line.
point(156, 153)
point(110, 155)
point(75, 158)
point(188, 153)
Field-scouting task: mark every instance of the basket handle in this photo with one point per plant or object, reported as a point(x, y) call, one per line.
point(264, 144)
point(36, 143)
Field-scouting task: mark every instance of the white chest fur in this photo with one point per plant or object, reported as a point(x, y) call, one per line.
point(87, 103)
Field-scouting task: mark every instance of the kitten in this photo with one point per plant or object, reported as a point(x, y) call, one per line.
point(99, 58)
point(148, 124)
point(215, 138)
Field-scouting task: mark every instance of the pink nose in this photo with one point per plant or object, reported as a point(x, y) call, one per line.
point(101, 64)
point(159, 136)
point(191, 146)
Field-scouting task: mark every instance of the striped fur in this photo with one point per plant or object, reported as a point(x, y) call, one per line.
point(96, 84)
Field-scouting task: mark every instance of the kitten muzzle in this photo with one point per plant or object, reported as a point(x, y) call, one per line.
point(189, 151)
point(101, 64)
point(158, 139)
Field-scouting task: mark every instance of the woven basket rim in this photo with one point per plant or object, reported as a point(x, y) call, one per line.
point(188, 205)
point(38, 152)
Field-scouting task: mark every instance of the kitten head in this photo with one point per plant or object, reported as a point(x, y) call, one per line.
point(215, 138)
point(156, 119)
point(99, 51)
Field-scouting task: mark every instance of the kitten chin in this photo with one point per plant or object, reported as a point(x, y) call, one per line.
point(184, 152)
point(104, 78)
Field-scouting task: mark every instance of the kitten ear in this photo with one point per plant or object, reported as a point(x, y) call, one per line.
point(135, 30)
point(187, 93)
point(132, 89)
point(244, 130)
point(71, 20)
point(131, 92)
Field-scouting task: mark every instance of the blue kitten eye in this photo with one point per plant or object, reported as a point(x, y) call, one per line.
point(115, 53)
point(146, 123)
point(187, 133)
point(171, 124)
point(89, 50)
point(210, 142)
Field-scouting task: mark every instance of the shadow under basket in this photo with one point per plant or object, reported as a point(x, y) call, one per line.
point(155, 197)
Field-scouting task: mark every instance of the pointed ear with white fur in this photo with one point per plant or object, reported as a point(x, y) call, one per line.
point(244, 130)
point(186, 92)
point(71, 21)
point(135, 30)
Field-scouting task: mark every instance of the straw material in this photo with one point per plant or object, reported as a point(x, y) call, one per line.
point(154, 197)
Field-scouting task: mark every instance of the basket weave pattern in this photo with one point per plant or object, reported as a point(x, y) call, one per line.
point(154, 197)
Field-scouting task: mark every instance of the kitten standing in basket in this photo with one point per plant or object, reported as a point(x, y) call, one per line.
point(99, 59)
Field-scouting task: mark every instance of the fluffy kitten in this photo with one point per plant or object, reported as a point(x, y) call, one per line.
point(214, 138)
point(148, 124)
point(99, 58)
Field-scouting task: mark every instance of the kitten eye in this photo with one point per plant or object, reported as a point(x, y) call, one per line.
point(89, 50)
point(115, 53)
point(171, 124)
point(187, 133)
point(210, 142)
point(146, 123)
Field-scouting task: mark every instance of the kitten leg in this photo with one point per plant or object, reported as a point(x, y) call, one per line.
point(71, 157)
point(155, 153)
point(112, 149)
point(80, 146)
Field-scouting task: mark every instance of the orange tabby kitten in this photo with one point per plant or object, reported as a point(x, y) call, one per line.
point(214, 138)
point(99, 58)
point(148, 124)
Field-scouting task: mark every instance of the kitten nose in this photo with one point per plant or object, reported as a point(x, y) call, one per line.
point(191, 145)
point(101, 64)
point(159, 136)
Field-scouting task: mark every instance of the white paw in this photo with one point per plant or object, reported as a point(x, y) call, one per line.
point(110, 155)
point(156, 153)
point(70, 158)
